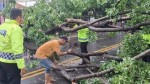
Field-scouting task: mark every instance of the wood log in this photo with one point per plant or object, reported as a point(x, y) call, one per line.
point(141, 55)
point(104, 20)
point(62, 71)
point(112, 57)
point(112, 20)
point(92, 75)
point(134, 27)
point(87, 54)
point(88, 62)
point(63, 27)
point(82, 26)
point(80, 66)
point(101, 79)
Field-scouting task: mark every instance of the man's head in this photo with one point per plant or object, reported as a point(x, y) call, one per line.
point(63, 39)
point(16, 14)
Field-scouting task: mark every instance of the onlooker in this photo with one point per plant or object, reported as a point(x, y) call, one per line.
point(12, 64)
point(46, 51)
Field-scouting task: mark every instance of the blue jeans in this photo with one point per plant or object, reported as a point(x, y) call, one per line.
point(47, 64)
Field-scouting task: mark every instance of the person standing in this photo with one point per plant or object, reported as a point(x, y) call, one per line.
point(83, 40)
point(12, 63)
point(46, 51)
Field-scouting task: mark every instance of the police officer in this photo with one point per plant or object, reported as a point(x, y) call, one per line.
point(83, 38)
point(12, 64)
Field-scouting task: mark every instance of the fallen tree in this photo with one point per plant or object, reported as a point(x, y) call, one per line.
point(64, 73)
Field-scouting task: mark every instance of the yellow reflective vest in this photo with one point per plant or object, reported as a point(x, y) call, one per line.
point(11, 43)
point(83, 34)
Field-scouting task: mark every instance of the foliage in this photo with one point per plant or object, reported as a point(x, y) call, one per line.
point(46, 15)
point(92, 36)
point(132, 45)
point(37, 20)
point(128, 72)
point(131, 72)
point(137, 7)
point(32, 64)
point(91, 81)
point(9, 4)
point(146, 30)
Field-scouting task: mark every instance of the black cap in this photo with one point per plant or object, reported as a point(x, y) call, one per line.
point(64, 37)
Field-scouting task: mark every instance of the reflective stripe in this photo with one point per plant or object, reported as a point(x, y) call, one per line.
point(83, 39)
point(83, 35)
point(7, 61)
point(10, 56)
point(3, 32)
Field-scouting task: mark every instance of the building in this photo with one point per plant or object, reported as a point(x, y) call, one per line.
point(22, 4)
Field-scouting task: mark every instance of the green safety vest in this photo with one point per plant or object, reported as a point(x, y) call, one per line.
point(83, 35)
point(11, 43)
point(146, 37)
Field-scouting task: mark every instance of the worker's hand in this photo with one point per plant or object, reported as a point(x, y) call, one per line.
point(69, 51)
point(23, 71)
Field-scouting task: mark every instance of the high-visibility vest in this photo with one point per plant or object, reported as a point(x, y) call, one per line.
point(146, 37)
point(83, 35)
point(11, 43)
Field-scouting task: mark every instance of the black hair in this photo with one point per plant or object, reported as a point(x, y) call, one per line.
point(15, 13)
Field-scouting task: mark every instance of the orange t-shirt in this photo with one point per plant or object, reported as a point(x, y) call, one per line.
point(47, 49)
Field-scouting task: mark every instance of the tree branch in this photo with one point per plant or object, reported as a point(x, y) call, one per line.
point(80, 66)
point(112, 57)
point(93, 75)
point(135, 27)
point(87, 54)
point(141, 55)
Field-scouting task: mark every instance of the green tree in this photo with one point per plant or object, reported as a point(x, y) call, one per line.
point(8, 5)
point(45, 15)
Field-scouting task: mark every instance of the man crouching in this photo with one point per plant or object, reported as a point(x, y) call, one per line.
point(46, 51)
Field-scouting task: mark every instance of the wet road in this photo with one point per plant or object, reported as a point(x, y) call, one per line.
point(105, 43)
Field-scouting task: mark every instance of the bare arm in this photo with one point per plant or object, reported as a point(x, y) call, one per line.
point(58, 51)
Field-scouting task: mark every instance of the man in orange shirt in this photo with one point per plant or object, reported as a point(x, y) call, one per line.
point(46, 51)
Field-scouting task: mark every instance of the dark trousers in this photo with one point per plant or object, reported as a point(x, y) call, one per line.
point(9, 73)
point(83, 48)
